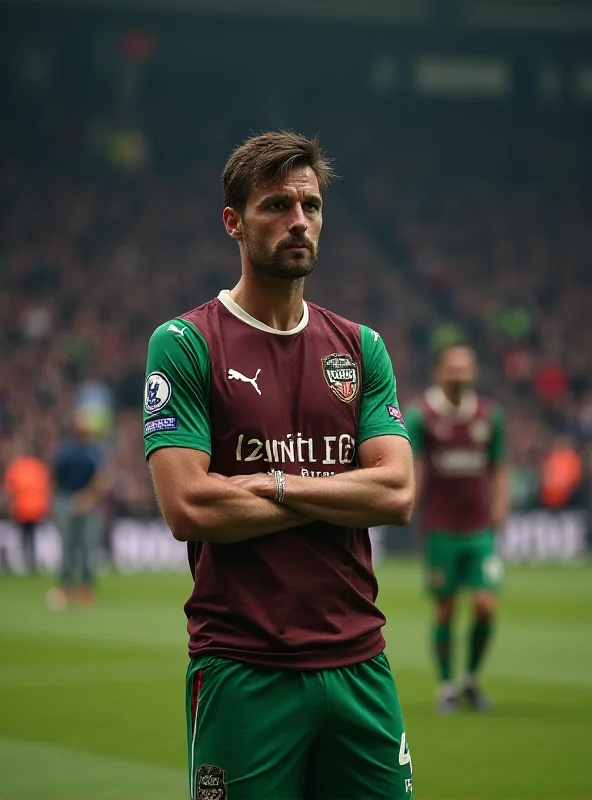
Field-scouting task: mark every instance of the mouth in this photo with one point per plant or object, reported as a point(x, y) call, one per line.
point(297, 247)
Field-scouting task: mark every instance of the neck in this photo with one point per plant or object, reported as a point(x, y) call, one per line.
point(276, 302)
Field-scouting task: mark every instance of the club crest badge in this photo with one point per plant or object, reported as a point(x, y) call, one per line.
point(157, 392)
point(342, 376)
point(210, 783)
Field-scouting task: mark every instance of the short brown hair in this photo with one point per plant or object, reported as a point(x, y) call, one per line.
point(263, 159)
point(459, 341)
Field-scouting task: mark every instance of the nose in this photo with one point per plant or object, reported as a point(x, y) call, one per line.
point(298, 221)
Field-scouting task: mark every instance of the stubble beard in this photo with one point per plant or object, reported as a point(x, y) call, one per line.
point(278, 262)
point(456, 390)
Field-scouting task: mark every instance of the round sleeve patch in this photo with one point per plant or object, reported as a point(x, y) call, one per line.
point(157, 392)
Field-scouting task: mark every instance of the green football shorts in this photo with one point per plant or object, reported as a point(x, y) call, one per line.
point(270, 734)
point(455, 561)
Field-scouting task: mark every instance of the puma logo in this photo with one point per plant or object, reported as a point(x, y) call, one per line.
point(235, 375)
point(172, 327)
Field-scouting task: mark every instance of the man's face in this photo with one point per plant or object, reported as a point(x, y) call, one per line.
point(457, 369)
point(281, 225)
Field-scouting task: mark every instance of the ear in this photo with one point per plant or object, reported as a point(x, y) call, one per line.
point(232, 223)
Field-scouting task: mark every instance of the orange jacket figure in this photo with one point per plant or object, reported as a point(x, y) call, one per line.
point(28, 483)
point(561, 474)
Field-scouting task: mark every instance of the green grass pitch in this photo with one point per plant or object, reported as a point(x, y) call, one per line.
point(91, 700)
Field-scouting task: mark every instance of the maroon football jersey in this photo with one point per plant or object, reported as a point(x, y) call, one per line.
point(458, 447)
point(302, 401)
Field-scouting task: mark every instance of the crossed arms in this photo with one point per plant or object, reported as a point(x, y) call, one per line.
point(204, 506)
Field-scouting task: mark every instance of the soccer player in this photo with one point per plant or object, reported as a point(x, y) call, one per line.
point(275, 439)
point(27, 482)
point(462, 488)
point(80, 481)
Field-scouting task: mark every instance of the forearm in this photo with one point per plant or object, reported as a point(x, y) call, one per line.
point(359, 498)
point(500, 494)
point(228, 513)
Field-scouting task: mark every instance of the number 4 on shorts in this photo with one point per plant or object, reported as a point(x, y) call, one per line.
point(404, 754)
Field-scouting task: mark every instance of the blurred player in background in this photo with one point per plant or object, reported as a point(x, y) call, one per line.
point(27, 482)
point(462, 486)
point(80, 482)
point(289, 691)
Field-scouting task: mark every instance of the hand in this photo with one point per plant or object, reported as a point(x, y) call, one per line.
point(82, 503)
point(261, 485)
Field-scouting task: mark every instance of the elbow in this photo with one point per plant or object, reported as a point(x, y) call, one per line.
point(183, 529)
point(401, 509)
point(403, 516)
point(189, 525)
point(180, 533)
point(186, 526)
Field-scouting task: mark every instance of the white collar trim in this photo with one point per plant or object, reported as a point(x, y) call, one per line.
point(227, 301)
point(438, 401)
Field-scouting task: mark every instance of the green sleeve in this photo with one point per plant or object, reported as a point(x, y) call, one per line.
point(379, 411)
point(415, 426)
point(177, 391)
point(497, 445)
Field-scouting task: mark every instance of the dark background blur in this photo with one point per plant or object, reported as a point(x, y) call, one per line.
point(460, 131)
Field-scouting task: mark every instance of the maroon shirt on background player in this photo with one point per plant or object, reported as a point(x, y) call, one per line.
point(275, 440)
point(458, 442)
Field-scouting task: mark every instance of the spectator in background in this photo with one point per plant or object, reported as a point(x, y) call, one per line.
point(518, 367)
point(551, 382)
point(80, 484)
point(27, 482)
point(561, 474)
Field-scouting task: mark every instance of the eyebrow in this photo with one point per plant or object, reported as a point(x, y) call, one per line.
point(270, 198)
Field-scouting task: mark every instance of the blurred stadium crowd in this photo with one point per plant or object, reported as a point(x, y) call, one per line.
point(417, 246)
